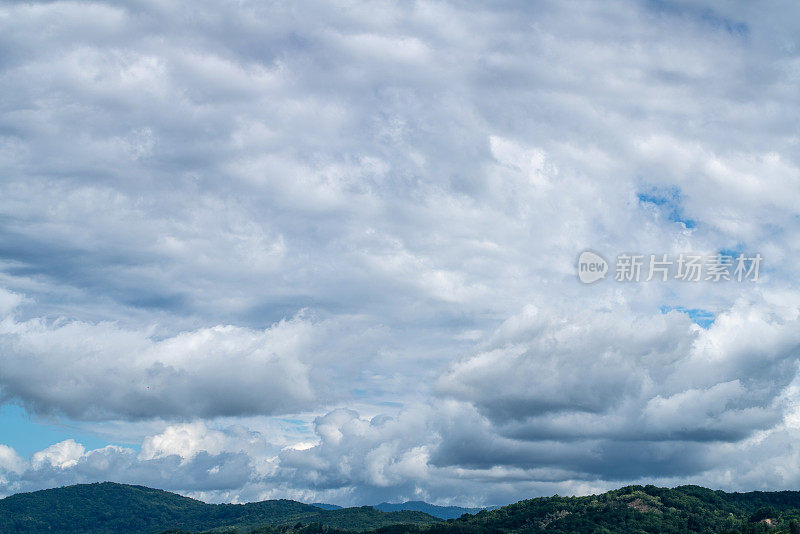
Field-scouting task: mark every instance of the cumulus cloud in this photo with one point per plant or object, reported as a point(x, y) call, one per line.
point(60, 455)
point(655, 389)
point(97, 371)
point(217, 472)
point(189, 440)
point(616, 374)
point(449, 454)
point(10, 460)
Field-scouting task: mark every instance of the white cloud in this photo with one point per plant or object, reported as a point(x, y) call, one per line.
point(61, 455)
point(97, 371)
point(184, 441)
point(189, 439)
point(10, 460)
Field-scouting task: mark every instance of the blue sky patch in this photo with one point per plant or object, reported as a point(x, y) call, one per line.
point(703, 318)
point(27, 434)
point(668, 202)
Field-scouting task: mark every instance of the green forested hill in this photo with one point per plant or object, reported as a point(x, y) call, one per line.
point(111, 507)
point(640, 509)
point(629, 510)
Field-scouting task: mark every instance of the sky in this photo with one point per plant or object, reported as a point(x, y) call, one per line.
point(329, 250)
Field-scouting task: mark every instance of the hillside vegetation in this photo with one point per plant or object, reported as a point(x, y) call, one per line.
point(642, 509)
point(109, 508)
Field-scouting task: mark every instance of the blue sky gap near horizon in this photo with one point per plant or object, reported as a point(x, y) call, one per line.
point(326, 250)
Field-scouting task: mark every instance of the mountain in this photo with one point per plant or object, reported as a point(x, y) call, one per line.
point(640, 509)
point(325, 506)
point(442, 512)
point(110, 508)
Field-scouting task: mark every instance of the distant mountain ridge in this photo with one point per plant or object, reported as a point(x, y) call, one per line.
point(326, 506)
point(442, 512)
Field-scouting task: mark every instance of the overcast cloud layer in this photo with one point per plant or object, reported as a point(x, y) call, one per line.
point(326, 250)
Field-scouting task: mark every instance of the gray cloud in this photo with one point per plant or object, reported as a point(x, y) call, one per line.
point(100, 371)
point(611, 374)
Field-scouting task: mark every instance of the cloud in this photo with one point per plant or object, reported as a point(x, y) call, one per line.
point(448, 454)
point(10, 460)
point(190, 439)
point(203, 472)
point(61, 455)
point(380, 452)
point(600, 385)
point(614, 374)
point(365, 218)
point(101, 371)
